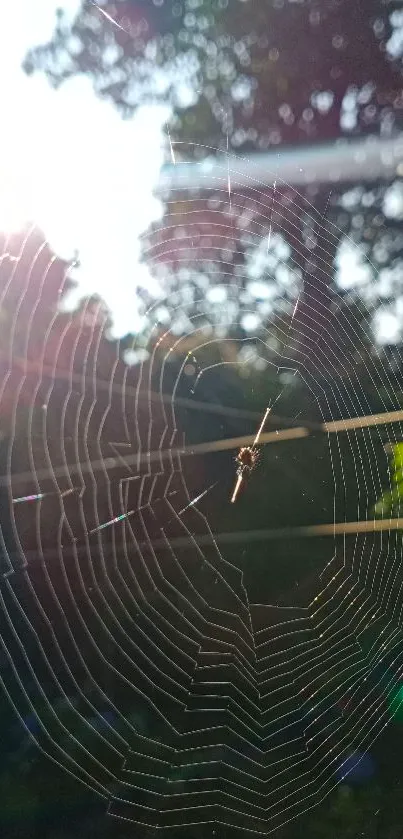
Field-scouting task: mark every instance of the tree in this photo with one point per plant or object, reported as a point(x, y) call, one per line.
point(267, 74)
point(248, 76)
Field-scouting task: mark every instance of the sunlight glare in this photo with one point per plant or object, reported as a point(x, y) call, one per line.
point(71, 165)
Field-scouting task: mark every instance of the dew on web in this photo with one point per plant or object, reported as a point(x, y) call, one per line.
point(142, 661)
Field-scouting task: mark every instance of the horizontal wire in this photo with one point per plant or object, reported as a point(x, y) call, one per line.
point(334, 529)
point(277, 436)
point(356, 160)
point(310, 530)
point(47, 370)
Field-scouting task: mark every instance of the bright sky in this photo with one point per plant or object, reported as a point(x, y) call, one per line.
point(72, 165)
point(86, 177)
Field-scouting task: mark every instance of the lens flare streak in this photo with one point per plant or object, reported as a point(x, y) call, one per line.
point(109, 18)
point(40, 495)
point(29, 498)
point(198, 497)
point(111, 522)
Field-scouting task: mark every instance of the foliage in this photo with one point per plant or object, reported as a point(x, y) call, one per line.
point(246, 75)
point(266, 73)
point(390, 502)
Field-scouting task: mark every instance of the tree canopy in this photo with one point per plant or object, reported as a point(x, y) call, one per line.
point(263, 73)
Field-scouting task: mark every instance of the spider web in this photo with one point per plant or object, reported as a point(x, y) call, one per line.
point(127, 635)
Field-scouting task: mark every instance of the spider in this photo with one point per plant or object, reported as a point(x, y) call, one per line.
point(246, 459)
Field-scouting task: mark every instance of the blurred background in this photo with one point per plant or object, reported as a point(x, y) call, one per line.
point(203, 199)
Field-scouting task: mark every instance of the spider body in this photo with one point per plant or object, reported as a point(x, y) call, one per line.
point(246, 459)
